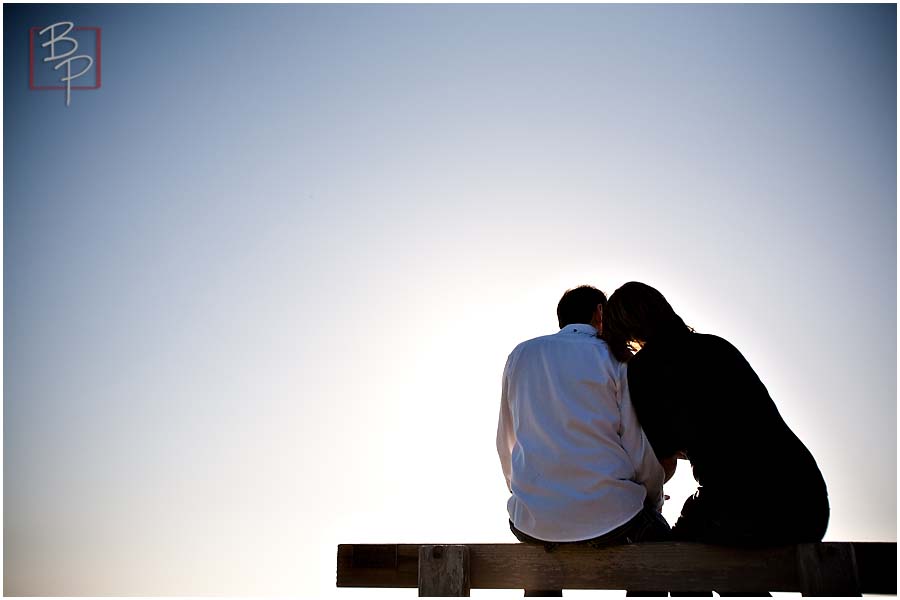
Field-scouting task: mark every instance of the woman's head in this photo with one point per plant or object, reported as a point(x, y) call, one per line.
point(636, 314)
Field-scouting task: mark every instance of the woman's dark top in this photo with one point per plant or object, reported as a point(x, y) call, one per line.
point(758, 483)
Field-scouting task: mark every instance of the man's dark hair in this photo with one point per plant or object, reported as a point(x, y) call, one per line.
point(578, 305)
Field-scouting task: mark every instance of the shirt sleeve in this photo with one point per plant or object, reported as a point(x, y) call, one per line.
point(506, 437)
point(647, 469)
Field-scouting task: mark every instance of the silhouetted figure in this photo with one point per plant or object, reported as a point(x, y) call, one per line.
point(696, 396)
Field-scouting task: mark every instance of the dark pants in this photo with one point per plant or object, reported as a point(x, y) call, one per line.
point(647, 526)
point(715, 520)
point(720, 521)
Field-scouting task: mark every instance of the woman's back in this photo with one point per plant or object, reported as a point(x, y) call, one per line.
point(696, 393)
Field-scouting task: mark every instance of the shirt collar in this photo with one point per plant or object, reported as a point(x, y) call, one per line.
point(579, 328)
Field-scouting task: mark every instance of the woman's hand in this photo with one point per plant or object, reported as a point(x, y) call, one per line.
point(671, 463)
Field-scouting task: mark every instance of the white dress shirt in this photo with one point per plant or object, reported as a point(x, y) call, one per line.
point(574, 455)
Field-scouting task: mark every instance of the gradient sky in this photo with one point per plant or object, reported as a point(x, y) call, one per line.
point(260, 287)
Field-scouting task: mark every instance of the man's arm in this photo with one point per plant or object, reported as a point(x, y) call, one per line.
point(647, 468)
point(506, 436)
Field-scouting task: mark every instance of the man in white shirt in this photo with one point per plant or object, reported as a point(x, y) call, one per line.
point(576, 461)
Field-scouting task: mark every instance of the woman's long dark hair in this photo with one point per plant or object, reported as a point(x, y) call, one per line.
point(638, 313)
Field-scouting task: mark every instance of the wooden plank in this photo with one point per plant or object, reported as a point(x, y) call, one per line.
point(443, 570)
point(661, 566)
point(827, 570)
point(876, 563)
point(377, 565)
point(376, 556)
point(665, 565)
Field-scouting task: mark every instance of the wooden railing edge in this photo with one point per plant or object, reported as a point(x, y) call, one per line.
point(824, 568)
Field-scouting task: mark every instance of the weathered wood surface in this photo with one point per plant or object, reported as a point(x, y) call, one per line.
point(671, 566)
point(443, 571)
point(876, 566)
point(827, 570)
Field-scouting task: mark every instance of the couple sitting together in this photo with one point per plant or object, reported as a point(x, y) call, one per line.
point(588, 433)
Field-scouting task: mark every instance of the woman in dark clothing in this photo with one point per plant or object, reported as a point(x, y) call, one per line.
point(697, 397)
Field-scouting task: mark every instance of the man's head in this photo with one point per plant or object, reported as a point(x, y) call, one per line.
point(583, 304)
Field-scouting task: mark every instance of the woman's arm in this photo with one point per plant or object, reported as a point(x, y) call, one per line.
point(646, 466)
point(669, 465)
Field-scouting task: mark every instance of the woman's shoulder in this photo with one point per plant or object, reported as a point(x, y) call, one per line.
point(685, 350)
point(717, 350)
point(708, 341)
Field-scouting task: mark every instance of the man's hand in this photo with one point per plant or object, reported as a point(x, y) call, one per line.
point(669, 465)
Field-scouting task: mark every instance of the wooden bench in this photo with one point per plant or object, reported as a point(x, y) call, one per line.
point(822, 569)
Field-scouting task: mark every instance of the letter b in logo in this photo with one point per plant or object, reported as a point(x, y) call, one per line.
point(58, 49)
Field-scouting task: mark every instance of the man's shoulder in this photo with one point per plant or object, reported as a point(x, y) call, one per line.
point(527, 346)
point(536, 341)
point(560, 339)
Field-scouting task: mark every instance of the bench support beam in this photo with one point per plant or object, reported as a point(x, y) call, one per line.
point(827, 569)
point(444, 571)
